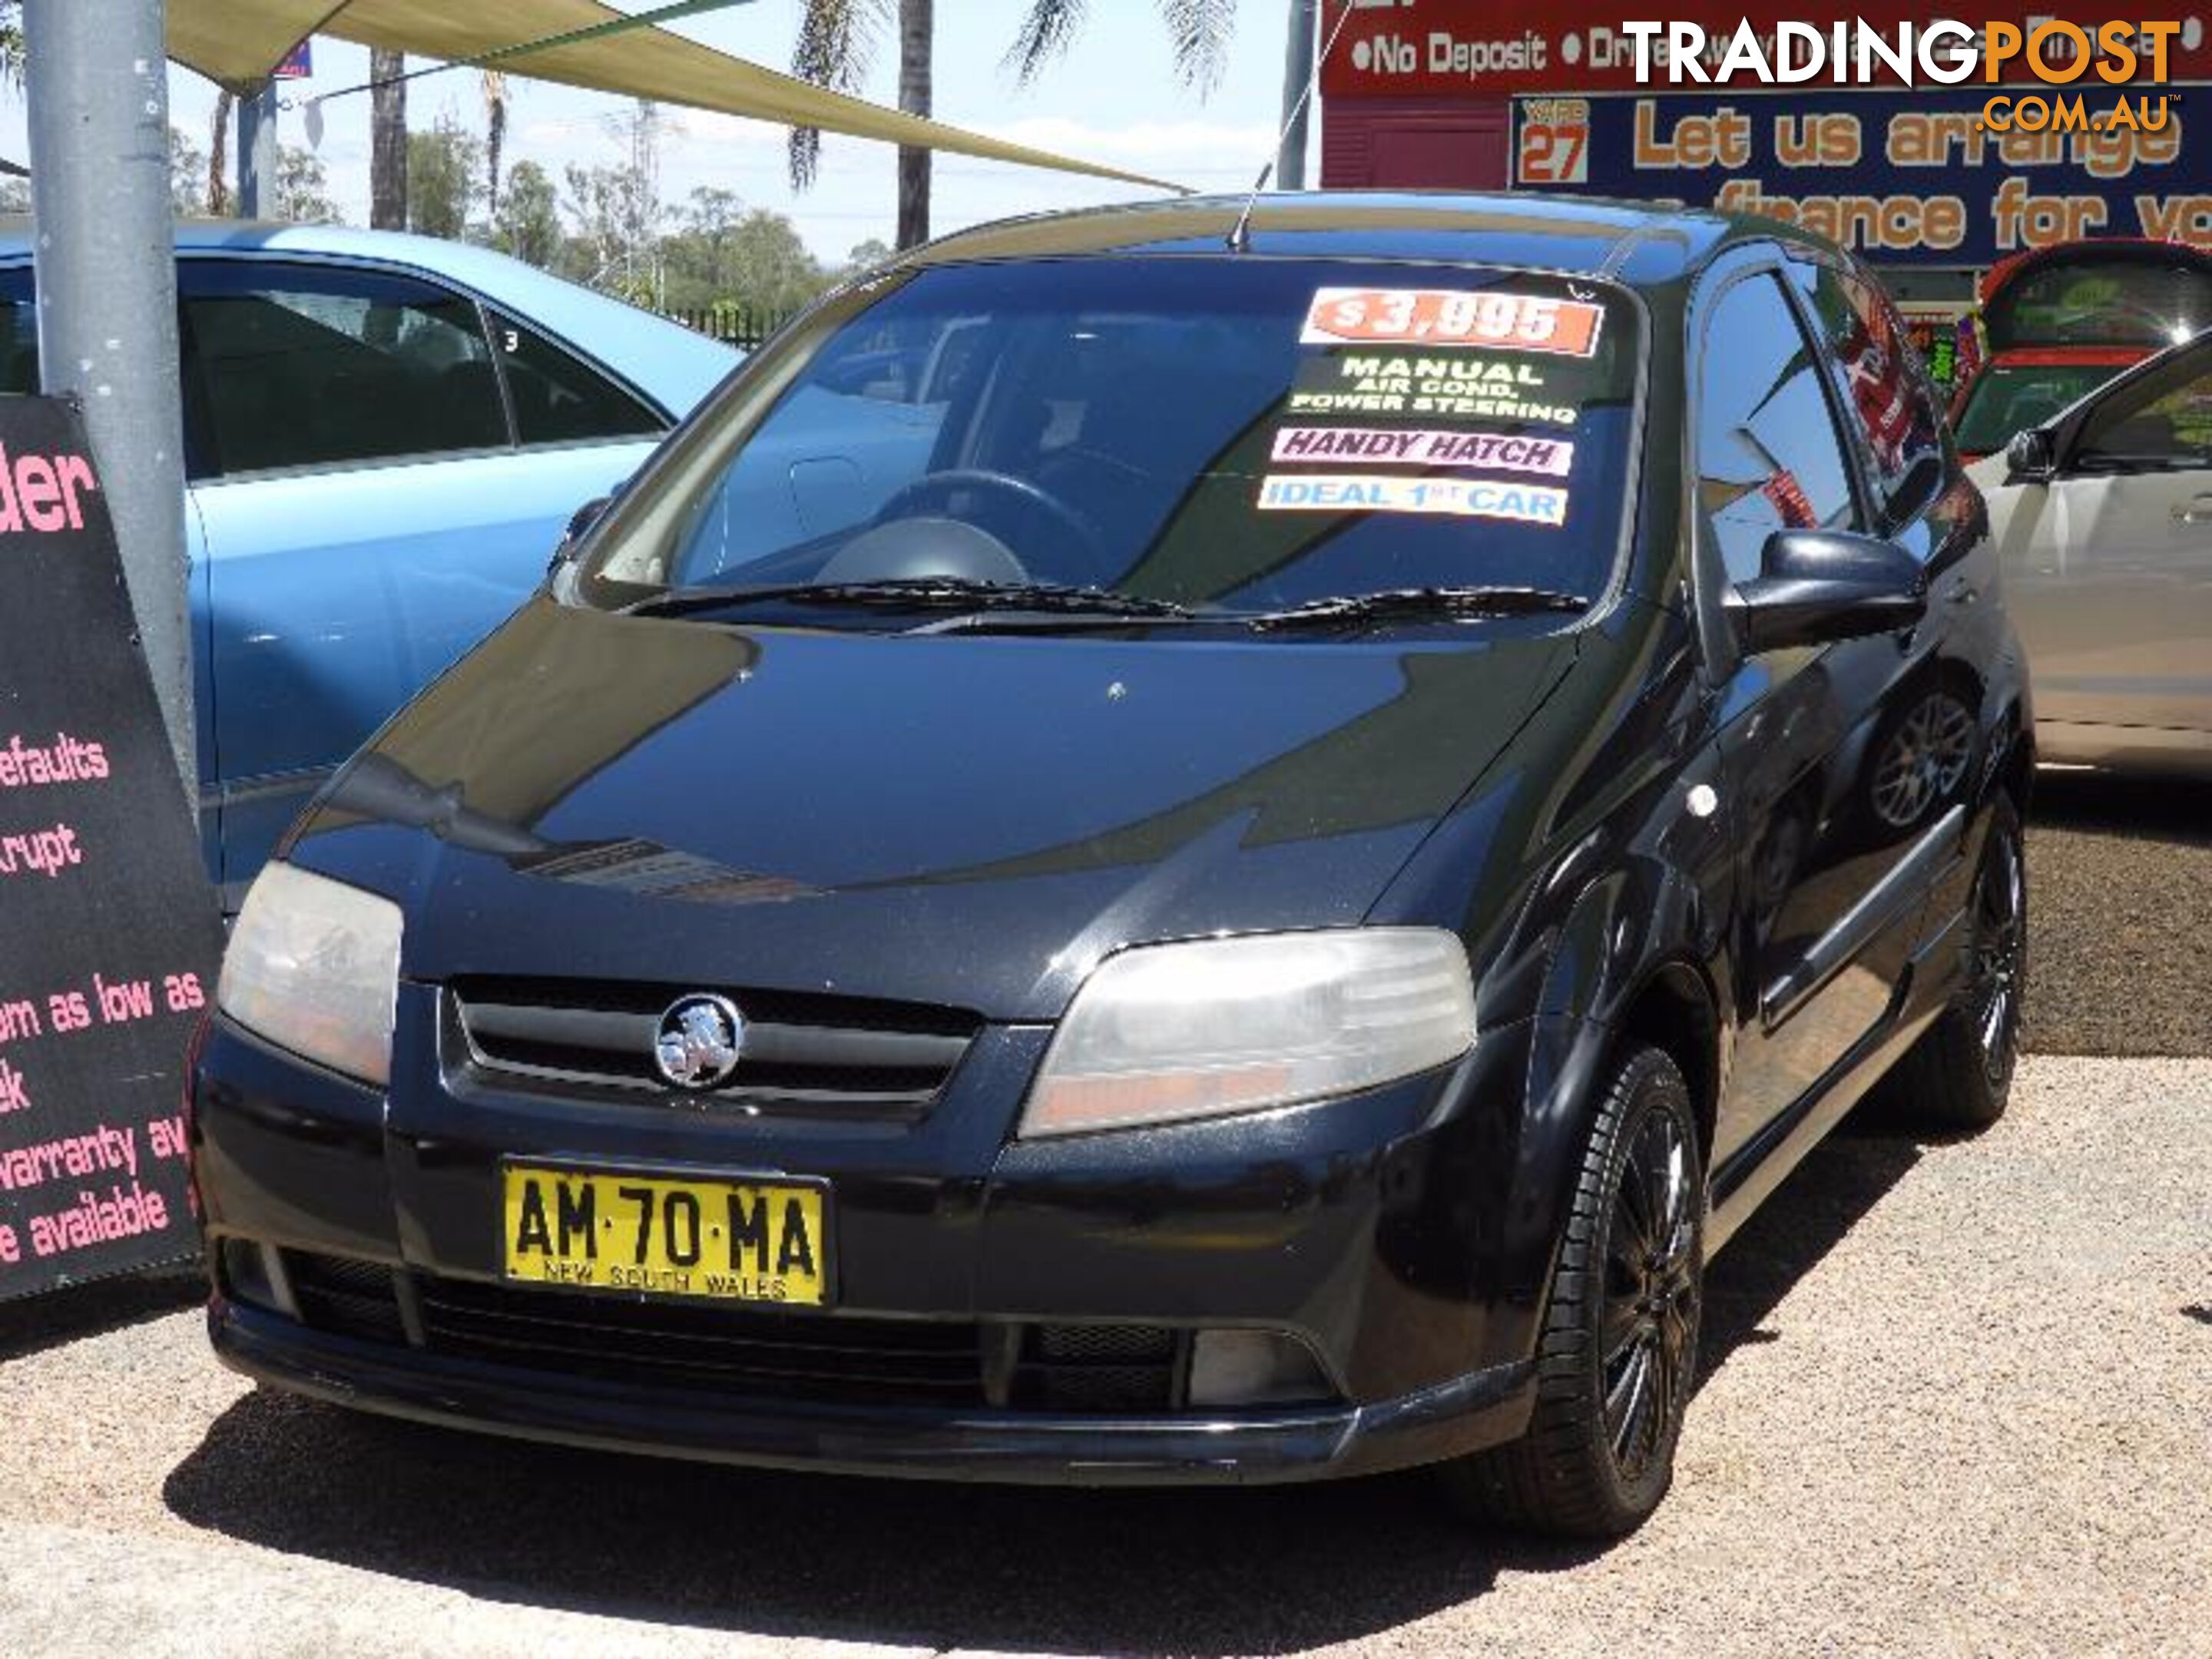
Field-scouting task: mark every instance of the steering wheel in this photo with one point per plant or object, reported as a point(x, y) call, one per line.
point(934, 487)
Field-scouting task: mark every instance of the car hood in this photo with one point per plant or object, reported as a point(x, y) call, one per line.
point(966, 820)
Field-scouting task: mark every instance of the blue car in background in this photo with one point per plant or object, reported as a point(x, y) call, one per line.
point(384, 436)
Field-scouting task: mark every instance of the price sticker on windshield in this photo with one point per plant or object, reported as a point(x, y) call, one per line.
point(1453, 317)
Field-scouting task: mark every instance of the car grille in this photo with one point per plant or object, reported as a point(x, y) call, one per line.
point(786, 1357)
point(747, 1353)
point(348, 1298)
point(818, 1055)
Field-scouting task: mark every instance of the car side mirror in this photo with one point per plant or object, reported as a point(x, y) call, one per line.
point(1817, 586)
point(1922, 479)
point(2032, 457)
point(580, 524)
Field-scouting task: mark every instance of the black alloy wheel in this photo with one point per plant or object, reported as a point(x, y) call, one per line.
point(1618, 1354)
point(1959, 1075)
point(1648, 1317)
point(1997, 958)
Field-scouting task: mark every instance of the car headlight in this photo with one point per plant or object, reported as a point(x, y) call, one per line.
point(313, 966)
point(1165, 1032)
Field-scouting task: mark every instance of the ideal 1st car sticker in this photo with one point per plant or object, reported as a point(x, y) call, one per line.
point(1453, 317)
point(1465, 498)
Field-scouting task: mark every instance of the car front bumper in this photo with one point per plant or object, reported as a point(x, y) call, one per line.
point(1363, 1231)
point(1479, 1409)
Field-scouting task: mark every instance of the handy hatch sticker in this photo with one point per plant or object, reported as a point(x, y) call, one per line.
point(1384, 447)
point(1453, 317)
point(1342, 492)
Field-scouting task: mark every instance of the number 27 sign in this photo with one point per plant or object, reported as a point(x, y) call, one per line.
point(1552, 141)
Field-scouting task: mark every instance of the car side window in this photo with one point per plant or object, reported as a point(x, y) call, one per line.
point(1893, 421)
point(301, 365)
point(559, 398)
point(1768, 454)
point(19, 334)
point(2161, 423)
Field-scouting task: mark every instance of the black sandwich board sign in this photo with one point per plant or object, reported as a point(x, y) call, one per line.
point(109, 938)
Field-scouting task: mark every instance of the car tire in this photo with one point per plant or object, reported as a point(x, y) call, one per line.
point(1958, 1074)
point(1619, 1348)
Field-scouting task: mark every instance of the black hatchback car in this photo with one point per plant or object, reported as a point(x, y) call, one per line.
point(1157, 850)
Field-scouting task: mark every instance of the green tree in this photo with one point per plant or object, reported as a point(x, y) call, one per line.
point(527, 223)
point(302, 188)
point(443, 179)
point(187, 174)
point(614, 244)
point(722, 252)
point(867, 256)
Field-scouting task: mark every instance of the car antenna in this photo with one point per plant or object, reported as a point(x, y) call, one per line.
point(1240, 234)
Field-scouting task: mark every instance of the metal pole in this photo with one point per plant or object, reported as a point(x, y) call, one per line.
point(105, 269)
point(257, 153)
point(1298, 75)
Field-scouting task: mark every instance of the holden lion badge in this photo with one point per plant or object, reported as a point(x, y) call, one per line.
point(698, 1041)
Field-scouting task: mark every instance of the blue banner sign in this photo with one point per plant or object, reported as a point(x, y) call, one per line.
point(1916, 178)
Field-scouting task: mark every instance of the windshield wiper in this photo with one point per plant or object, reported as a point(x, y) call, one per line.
point(916, 592)
point(1418, 605)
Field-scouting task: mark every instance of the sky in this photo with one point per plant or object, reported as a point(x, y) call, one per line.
point(1113, 97)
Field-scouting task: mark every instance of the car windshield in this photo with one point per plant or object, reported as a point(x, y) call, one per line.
point(2010, 398)
point(2085, 299)
point(1228, 434)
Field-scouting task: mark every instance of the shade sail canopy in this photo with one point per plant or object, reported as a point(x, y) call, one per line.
point(236, 43)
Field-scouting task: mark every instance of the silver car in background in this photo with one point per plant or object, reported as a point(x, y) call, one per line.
point(2103, 519)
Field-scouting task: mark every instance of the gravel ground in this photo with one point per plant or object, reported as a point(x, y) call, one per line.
point(1956, 1402)
point(2120, 914)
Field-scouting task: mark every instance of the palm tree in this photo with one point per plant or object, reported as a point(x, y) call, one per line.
point(495, 100)
point(1199, 30)
point(11, 43)
point(387, 143)
point(836, 48)
point(218, 181)
point(837, 41)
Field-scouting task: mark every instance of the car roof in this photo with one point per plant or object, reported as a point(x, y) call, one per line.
point(1584, 235)
point(671, 364)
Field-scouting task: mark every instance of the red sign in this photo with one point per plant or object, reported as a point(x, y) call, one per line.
point(298, 64)
point(1432, 48)
point(1452, 317)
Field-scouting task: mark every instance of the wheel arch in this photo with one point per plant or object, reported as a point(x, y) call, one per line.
point(1673, 1010)
point(1630, 965)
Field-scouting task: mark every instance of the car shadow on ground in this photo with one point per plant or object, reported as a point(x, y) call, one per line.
point(2176, 810)
point(55, 1317)
point(1011, 1569)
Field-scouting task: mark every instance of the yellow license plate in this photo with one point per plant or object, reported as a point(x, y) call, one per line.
point(607, 1229)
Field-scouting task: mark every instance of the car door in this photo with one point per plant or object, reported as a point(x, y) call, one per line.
point(2108, 564)
point(1829, 876)
point(380, 470)
point(20, 375)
